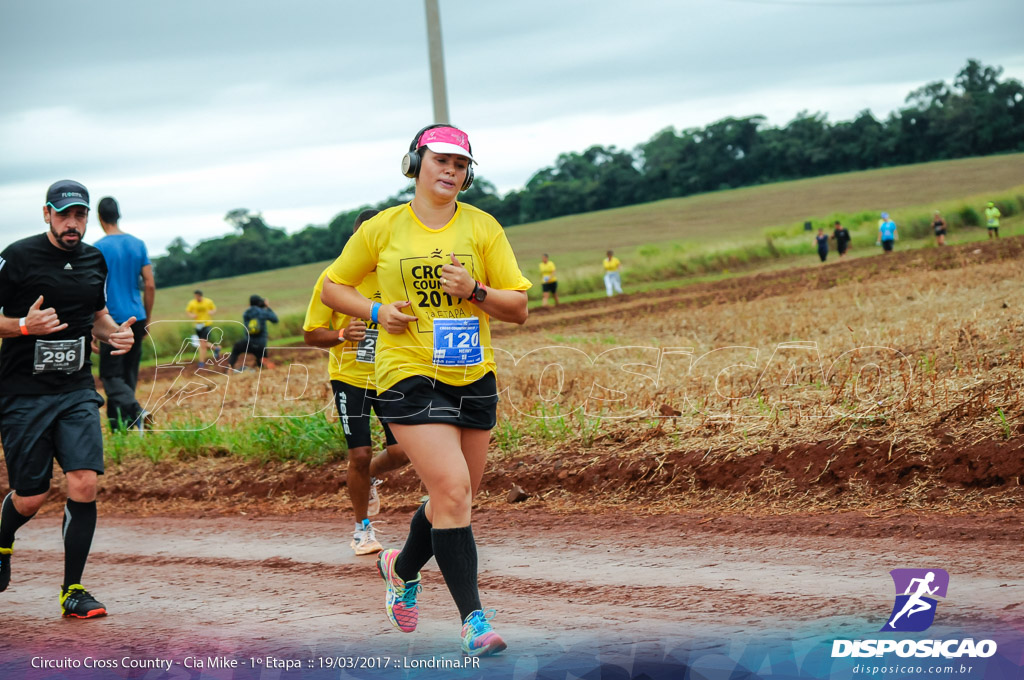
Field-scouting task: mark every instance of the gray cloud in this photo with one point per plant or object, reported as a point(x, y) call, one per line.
point(296, 107)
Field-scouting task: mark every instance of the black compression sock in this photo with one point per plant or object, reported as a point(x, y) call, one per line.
point(10, 521)
point(78, 529)
point(418, 548)
point(455, 552)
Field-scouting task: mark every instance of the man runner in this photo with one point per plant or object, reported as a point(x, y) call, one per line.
point(353, 344)
point(53, 299)
point(201, 309)
point(127, 260)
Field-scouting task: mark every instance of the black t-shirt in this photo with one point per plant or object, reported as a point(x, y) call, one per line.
point(73, 282)
point(842, 236)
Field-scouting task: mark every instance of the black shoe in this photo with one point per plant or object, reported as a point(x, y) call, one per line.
point(76, 601)
point(5, 568)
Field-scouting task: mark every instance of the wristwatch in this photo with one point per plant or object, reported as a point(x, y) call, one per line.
point(479, 293)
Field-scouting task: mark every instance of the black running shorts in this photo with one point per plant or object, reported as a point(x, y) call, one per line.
point(549, 287)
point(354, 404)
point(887, 246)
point(203, 332)
point(37, 429)
point(419, 400)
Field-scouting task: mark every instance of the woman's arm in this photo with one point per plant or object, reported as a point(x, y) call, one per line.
point(504, 305)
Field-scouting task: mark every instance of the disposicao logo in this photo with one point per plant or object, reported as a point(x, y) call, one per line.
point(914, 609)
point(912, 612)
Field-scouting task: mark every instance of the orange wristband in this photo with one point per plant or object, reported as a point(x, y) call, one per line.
point(22, 327)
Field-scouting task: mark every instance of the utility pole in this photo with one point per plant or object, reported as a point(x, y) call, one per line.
point(436, 50)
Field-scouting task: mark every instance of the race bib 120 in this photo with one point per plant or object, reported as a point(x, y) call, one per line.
point(457, 342)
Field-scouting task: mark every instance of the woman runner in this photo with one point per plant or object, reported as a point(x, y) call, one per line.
point(444, 268)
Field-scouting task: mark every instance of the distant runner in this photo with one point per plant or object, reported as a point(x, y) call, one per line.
point(992, 216)
point(887, 235)
point(939, 227)
point(612, 278)
point(842, 238)
point(822, 241)
point(255, 320)
point(549, 280)
point(201, 309)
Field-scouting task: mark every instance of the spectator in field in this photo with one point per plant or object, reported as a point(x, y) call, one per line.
point(939, 227)
point(822, 240)
point(887, 235)
point(52, 291)
point(435, 366)
point(201, 309)
point(255, 319)
point(127, 262)
point(353, 353)
point(992, 216)
point(549, 280)
point(842, 238)
point(612, 278)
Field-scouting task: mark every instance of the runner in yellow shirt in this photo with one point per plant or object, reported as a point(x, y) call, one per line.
point(353, 350)
point(612, 278)
point(992, 216)
point(549, 281)
point(444, 269)
point(201, 309)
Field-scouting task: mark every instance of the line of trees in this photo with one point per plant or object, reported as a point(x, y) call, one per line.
point(979, 114)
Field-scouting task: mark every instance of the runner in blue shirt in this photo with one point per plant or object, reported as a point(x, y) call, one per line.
point(887, 235)
point(127, 261)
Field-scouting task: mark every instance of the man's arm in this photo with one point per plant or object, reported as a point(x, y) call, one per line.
point(105, 329)
point(148, 291)
point(38, 321)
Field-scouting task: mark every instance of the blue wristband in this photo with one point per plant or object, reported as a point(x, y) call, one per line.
point(374, 309)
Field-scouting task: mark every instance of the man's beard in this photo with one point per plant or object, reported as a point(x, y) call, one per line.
point(65, 244)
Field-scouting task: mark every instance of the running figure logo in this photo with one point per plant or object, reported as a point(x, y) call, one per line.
point(914, 610)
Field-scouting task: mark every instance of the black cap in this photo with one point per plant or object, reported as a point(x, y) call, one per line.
point(255, 301)
point(66, 193)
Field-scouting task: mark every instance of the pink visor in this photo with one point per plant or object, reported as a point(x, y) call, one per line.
point(447, 140)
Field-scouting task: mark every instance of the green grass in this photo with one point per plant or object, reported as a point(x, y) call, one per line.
point(310, 439)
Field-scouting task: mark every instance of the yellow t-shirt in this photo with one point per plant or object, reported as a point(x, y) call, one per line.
point(201, 308)
point(344, 364)
point(611, 264)
point(992, 216)
point(408, 258)
point(547, 272)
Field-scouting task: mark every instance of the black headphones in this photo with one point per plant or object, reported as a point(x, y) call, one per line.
point(411, 160)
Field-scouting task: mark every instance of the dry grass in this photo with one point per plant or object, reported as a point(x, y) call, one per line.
point(916, 361)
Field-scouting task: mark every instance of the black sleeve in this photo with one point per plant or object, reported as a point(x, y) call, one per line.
point(101, 299)
point(6, 285)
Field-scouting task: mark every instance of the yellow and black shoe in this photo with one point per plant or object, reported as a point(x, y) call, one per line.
point(5, 567)
point(76, 601)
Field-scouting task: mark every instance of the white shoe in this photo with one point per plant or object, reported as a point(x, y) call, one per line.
point(364, 542)
point(373, 507)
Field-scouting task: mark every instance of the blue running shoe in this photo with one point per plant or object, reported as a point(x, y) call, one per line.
point(478, 638)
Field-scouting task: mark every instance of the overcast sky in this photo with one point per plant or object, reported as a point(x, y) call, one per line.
point(184, 110)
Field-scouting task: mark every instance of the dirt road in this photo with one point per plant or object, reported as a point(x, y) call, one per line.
point(575, 594)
